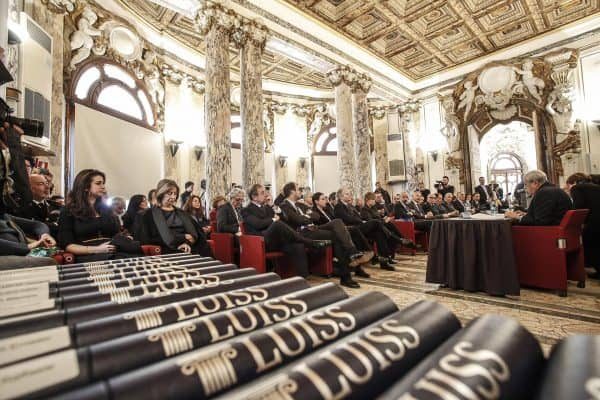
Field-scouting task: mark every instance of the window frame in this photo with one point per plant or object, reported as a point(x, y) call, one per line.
point(104, 81)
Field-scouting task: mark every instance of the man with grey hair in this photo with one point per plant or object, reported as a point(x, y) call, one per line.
point(229, 215)
point(548, 204)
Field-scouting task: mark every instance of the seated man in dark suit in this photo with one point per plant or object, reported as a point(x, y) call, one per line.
point(548, 205)
point(383, 207)
point(343, 247)
point(40, 208)
point(15, 246)
point(402, 209)
point(459, 202)
point(447, 206)
point(373, 230)
point(259, 219)
point(229, 214)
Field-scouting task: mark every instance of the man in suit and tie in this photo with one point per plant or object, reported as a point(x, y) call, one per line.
point(459, 202)
point(335, 231)
point(260, 219)
point(40, 208)
point(229, 215)
point(548, 205)
point(484, 191)
point(401, 208)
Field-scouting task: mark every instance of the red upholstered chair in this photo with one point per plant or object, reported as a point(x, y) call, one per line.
point(548, 256)
point(408, 231)
point(253, 254)
point(224, 248)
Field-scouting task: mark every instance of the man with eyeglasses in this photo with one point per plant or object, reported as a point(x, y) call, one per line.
point(40, 208)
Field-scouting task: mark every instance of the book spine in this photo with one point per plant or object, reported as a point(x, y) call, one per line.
point(493, 357)
point(362, 365)
point(114, 326)
point(573, 370)
point(126, 294)
point(203, 373)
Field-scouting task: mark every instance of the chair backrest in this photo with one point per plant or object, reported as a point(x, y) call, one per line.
point(571, 226)
point(213, 226)
point(242, 228)
point(574, 219)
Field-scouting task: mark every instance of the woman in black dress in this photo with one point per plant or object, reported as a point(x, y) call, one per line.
point(137, 205)
point(193, 207)
point(87, 226)
point(586, 195)
point(169, 227)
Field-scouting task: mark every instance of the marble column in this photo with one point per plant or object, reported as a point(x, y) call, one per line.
point(251, 106)
point(380, 131)
point(341, 78)
point(361, 135)
point(217, 24)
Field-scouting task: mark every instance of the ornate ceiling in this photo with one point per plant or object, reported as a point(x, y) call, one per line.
point(275, 65)
point(423, 37)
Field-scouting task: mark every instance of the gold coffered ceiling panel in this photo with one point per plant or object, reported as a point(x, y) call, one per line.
point(423, 37)
point(275, 66)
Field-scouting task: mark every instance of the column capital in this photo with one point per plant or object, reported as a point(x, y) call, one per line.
point(362, 82)
point(210, 14)
point(252, 31)
point(341, 73)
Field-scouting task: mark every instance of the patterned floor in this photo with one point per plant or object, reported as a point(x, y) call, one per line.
point(546, 315)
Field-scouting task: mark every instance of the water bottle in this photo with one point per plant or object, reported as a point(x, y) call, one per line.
point(493, 208)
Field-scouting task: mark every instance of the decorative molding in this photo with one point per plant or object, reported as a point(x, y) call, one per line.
point(178, 77)
point(60, 6)
point(210, 14)
point(341, 73)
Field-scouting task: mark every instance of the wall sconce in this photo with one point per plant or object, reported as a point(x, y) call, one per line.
point(434, 155)
point(173, 147)
point(198, 151)
point(302, 161)
point(419, 168)
point(282, 161)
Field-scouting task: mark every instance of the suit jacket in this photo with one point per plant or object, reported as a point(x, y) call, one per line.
point(402, 211)
point(446, 208)
point(293, 216)
point(227, 219)
point(369, 213)
point(458, 205)
point(14, 232)
point(348, 214)
point(256, 219)
point(386, 196)
point(435, 210)
point(484, 193)
point(587, 195)
point(418, 212)
point(548, 206)
point(322, 216)
point(155, 230)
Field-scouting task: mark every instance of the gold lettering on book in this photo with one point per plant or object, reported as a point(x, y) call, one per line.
point(146, 319)
point(217, 302)
point(449, 379)
point(215, 372)
point(121, 296)
point(175, 340)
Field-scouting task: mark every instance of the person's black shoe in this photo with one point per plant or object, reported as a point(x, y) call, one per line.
point(594, 275)
point(408, 243)
point(391, 260)
point(384, 265)
point(319, 244)
point(361, 273)
point(356, 256)
point(350, 283)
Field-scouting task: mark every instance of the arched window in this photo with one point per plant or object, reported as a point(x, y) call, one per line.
point(506, 170)
point(111, 89)
point(325, 142)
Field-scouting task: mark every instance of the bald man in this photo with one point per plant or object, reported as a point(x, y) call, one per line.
point(40, 209)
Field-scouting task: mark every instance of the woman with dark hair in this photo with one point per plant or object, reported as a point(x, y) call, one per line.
point(87, 226)
point(193, 207)
point(151, 198)
point(170, 228)
point(217, 202)
point(586, 195)
point(137, 205)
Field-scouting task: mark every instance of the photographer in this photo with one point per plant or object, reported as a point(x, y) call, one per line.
point(444, 187)
point(15, 247)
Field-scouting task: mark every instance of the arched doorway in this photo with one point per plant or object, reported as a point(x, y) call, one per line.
point(506, 170)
